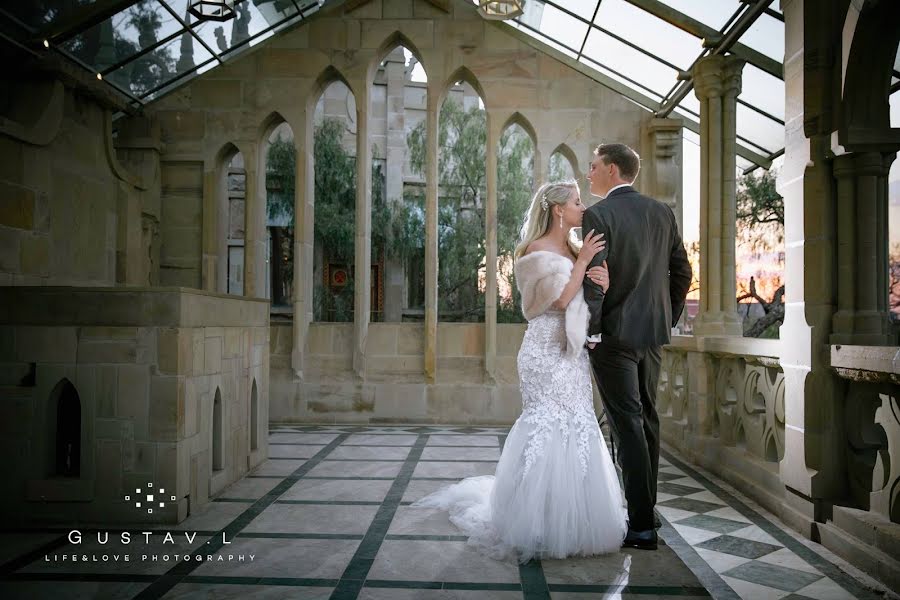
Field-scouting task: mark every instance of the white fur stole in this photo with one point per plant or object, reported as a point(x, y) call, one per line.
point(541, 277)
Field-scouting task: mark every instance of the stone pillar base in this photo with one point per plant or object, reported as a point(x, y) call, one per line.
point(719, 323)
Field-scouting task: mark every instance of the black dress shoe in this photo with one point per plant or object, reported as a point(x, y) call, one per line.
point(642, 540)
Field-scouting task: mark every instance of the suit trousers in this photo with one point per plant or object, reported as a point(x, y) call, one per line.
point(627, 380)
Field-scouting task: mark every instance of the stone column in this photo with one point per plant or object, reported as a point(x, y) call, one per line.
point(540, 168)
point(813, 466)
point(254, 222)
point(863, 315)
point(304, 214)
point(717, 81)
point(362, 278)
point(431, 231)
point(661, 169)
point(209, 268)
point(394, 272)
point(490, 246)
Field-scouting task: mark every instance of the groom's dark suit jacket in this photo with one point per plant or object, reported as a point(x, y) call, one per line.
point(649, 270)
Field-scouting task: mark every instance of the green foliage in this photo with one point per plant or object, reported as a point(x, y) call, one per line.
point(335, 193)
point(462, 142)
point(760, 210)
point(281, 162)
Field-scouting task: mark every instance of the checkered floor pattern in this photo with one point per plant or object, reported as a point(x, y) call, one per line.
point(328, 516)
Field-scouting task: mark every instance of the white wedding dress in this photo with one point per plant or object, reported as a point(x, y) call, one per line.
point(555, 492)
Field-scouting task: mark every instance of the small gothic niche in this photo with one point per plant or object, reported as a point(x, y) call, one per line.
point(66, 430)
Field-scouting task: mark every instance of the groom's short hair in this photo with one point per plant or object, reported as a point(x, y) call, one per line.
point(628, 161)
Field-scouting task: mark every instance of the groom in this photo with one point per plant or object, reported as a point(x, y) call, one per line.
point(649, 277)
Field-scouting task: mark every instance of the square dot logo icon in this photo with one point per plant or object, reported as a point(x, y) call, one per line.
point(149, 497)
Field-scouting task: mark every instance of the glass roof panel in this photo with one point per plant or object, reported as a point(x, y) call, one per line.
point(621, 78)
point(759, 130)
point(583, 8)
point(766, 35)
point(762, 91)
point(561, 26)
point(248, 23)
point(648, 32)
point(630, 62)
point(714, 14)
point(543, 38)
point(39, 15)
point(156, 68)
point(123, 35)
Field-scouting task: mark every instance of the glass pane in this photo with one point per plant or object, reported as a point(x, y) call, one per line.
point(759, 130)
point(155, 68)
point(543, 38)
point(763, 91)
point(563, 27)
point(690, 104)
point(248, 22)
point(628, 61)
point(766, 35)
point(136, 28)
point(714, 14)
point(657, 97)
point(647, 32)
point(583, 8)
point(38, 15)
point(212, 63)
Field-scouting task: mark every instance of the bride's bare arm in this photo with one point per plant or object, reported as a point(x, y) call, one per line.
point(593, 243)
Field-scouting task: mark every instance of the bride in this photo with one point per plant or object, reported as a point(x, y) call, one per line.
point(555, 492)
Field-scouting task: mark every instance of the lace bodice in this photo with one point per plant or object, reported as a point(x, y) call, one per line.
point(556, 389)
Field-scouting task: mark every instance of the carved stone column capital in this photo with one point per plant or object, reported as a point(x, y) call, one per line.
point(732, 76)
point(708, 77)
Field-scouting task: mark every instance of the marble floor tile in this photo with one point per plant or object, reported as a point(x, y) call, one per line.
point(738, 546)
point(689, 482)
point(302, 438)
point(719, 561)
point(706, 521)
point(786, 558)
point(691, 504)
point(338, 489)
point(752, 532)
point(278, 467)
point(706, 496)
point(369, 453)
point(340, 468)
point(825, 589)
point(368, 593)
point(13, 545)
point(463, 440)
point(313, 518)
point(728, 513)
point(694, 536)
point(438, 561)
point(673, 515)
point(454, 469)
point(70, 590)
point(141, 554)
point(374, 439)
point(286, 451)
point(473, 453)
point(630, 567)
point(249, 488)
point(305, 558)
point(410, 520)
point(752, 591)
point(774, 576)
point(213, 516)
point(419, 488)
point(195, 591)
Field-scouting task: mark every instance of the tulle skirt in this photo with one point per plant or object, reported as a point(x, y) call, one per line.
point(543, 504)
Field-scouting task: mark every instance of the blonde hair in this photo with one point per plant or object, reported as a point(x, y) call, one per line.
point(538, 219)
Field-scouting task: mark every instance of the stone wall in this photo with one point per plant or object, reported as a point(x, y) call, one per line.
point(71, 212)
point(146, 367)
point(395, 388)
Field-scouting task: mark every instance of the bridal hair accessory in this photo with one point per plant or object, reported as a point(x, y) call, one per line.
point(544, 204)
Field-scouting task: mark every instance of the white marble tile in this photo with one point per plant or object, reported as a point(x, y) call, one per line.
point(719, 561)
point(753, 591)
point(694, 536)
point(756, 534)
point(825, 589)
point(786, 558)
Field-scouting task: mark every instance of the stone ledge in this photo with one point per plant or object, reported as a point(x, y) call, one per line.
point(866, 363)
point(128, 307)
point(727, 345)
